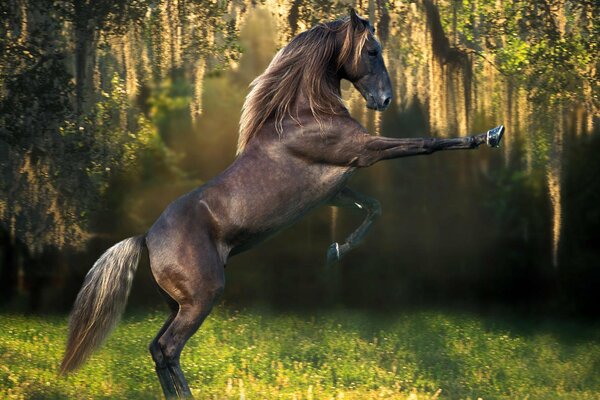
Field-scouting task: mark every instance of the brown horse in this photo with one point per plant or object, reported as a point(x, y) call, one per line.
point(298, 146)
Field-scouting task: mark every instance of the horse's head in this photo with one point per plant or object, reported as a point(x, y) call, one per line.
point(366, 68)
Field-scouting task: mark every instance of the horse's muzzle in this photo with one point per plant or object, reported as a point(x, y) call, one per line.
point(378, 105)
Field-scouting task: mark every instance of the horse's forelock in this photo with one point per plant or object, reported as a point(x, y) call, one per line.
point(352, 46)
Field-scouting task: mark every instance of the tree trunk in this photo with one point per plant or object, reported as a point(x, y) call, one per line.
point(85, 33)
point(8, 268)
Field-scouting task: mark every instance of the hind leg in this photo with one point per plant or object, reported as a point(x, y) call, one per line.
point(164, 377)
point(195, 280)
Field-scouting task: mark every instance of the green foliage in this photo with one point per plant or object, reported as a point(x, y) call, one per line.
point(169, 106)
point(81, 154)
point(114, 137)
point(56, 164)
point(513, 57)
point(72, 78)
point(548, 47)
point(346, 355)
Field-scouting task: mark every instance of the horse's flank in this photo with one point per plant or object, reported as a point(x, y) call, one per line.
point(300, 68)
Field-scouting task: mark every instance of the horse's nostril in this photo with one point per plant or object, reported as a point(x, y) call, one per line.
point(386, 102)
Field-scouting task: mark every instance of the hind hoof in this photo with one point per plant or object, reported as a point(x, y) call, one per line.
point(494, 136)
point(333, 253)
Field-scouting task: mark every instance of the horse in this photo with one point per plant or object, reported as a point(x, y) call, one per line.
point(297, 148)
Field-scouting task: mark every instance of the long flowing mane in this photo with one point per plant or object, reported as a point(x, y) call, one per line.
point(304, 65)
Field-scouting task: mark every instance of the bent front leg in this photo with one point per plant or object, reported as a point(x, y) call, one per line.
point(384, 148)
point(348, 198)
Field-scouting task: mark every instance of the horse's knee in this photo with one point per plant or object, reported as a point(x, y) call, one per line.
point(169, 354)
point(157, 354)
point(171, 344)
point(186, 323)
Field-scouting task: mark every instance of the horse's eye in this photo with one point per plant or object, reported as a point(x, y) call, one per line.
point(373, 53)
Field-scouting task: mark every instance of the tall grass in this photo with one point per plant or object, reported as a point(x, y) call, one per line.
point(349, 355)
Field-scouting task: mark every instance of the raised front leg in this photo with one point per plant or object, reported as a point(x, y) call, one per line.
point(384, 148)
point(350, 199)
point(352, 146)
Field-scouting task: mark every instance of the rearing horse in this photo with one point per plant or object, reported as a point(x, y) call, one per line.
point(297, 148)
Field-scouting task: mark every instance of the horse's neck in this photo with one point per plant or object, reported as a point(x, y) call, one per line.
point(302, 105)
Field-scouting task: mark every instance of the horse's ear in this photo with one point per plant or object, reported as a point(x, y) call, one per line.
point(356, 22)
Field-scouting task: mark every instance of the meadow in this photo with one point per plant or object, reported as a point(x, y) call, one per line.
point(252, 354)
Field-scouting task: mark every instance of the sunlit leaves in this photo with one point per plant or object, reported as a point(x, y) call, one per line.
point(550, 47)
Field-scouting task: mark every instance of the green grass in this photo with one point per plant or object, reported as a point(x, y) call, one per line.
point(349, 355)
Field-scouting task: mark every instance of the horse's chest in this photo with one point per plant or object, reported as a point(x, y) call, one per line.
point(290, 194)
point(282, 202)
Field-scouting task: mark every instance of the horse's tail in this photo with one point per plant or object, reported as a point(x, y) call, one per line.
point(101, 301)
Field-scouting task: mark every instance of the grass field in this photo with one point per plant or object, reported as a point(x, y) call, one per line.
point(336, 355)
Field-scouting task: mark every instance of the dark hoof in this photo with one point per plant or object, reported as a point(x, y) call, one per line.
point(333, 254)
point(494, 136)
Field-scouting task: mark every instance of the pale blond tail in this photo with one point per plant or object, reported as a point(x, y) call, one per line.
point(101, 301)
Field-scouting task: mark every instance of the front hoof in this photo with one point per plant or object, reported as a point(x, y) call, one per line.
point(333, 253)
point(494, 136)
